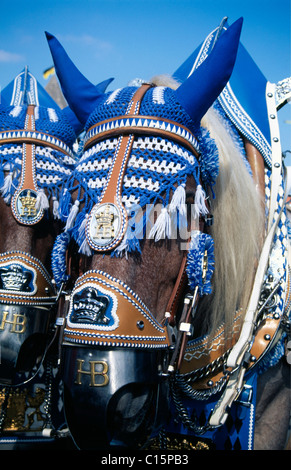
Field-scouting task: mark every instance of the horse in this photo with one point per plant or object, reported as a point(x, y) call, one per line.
point(181, 290)
point(36, 153)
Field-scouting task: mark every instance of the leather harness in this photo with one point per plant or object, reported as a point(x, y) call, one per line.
point(206, 354)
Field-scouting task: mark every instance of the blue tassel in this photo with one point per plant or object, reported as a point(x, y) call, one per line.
point(65, 204)
point(59, 258)
point(198, 274)
point(210, 158)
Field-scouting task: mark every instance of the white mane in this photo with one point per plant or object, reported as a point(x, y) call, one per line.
point(237, 228)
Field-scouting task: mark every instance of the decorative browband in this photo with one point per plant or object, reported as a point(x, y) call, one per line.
point(33, 137)
point(105, 312)
point(142, 125)
point(24, 280)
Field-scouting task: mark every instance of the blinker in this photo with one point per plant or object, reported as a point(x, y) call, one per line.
point(115, 357)
point(114, 398)
point(27, 300)
point(23, 342)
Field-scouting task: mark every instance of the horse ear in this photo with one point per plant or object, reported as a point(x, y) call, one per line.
point(201, 89)
point(81, 95)
point(71, 116)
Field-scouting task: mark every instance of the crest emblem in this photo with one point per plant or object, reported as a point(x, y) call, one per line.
point(93, 308)
point(24, 207)
point(103, 225)
point(16, 278)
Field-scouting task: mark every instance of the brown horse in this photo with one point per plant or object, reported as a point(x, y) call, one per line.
point(159, 180)
point(36, 154)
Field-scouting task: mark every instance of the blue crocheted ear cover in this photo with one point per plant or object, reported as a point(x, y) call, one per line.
point(156, 169)
point(48, 120)
point(52, 166)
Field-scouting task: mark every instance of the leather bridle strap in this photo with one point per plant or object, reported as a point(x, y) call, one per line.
point(142, 125)
point(24, 201)
point(177, 292)
point(110, 210)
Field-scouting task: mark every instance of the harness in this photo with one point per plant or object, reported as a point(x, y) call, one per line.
point(28, 296)
point(219, 383)
point(35, 155)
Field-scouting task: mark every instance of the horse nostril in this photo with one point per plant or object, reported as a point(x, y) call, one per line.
point(140, 324)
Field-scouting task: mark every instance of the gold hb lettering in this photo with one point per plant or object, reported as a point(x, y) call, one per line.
point(18, 323)
point(93, 372)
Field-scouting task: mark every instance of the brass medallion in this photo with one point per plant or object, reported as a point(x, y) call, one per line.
point(103, 225)
point(24, 207)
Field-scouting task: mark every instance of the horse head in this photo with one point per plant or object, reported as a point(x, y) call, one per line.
point(136, 208)
point(36, 153)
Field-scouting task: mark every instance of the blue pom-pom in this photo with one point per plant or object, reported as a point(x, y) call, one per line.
point(200, 273)
point(209, 164)
point(58, 258)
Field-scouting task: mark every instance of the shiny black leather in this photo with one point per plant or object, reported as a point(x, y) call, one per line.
point(119, 399)
point(23, 341)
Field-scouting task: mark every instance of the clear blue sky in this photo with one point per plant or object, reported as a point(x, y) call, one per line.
point(127, 39)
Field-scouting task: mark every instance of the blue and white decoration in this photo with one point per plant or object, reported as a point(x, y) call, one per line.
point(156, 173)
point(93, 307)
point(200, 262)
point(16, 277)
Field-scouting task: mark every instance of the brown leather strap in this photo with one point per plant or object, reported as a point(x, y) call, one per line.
point(41, 139)
point(256, 162)
point(177, 292)
point(23, 203)
point(110, 129)
point(28, 171)
point(114, 185)
point(111, 194)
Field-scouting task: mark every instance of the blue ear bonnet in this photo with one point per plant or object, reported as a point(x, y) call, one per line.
point(157, 169)
point(51, 165)
point(48, 120)
point(158, 102)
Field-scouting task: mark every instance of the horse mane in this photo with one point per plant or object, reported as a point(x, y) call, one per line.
point(236, 231)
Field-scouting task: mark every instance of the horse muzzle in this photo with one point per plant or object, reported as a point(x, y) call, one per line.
point(115, 355)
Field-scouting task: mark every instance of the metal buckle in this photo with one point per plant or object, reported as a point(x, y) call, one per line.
point(246, 396)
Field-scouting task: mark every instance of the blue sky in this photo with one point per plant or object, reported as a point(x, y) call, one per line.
point(127, 39)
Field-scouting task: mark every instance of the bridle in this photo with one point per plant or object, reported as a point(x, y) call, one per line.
point(28, 295)
point(110, 206)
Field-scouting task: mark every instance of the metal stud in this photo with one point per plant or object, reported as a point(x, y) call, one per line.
point(140, 324)
point(267, 337)
point(210, 383)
